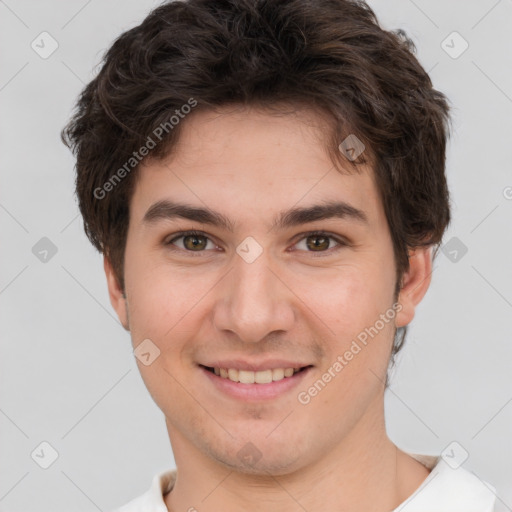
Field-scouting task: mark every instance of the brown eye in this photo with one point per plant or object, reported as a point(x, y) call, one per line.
point(194, 242)
point(320, 243)
point(191, 242)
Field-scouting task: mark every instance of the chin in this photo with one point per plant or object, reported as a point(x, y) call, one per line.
point(259, 456)
point(276, 465)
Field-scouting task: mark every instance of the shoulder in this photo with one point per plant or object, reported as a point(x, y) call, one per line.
point(152, 500)
point(449, 488)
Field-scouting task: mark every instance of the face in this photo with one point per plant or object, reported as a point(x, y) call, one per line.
point(276, 287)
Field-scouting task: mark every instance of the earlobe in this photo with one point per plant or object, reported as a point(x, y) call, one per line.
point(116, 294)
point(415, 283)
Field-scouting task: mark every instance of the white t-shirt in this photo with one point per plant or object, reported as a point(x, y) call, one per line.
point(444, 490)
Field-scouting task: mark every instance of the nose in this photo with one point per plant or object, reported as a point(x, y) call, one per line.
point(254, 301)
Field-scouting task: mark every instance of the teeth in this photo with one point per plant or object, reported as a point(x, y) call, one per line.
point(263, 377)
point(278, 374)
point(245, 377)
point(249, 377)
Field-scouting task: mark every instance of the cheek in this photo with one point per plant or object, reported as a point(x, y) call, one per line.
point(345, 300)
point(161, 309)
point(357, 354)
point(161, 298)
point(149, 303)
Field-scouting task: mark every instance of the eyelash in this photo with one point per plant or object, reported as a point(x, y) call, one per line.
point(329, 251)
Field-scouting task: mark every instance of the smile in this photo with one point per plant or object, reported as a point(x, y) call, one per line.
point(249, 385)
point(259, 377)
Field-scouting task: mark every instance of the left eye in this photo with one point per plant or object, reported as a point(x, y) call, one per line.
point(322, 241)
point(196, 241)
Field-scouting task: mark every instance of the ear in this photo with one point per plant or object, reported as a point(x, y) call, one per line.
point(117, 297)
point(415, 283)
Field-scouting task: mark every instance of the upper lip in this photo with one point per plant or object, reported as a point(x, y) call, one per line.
point(254, 366)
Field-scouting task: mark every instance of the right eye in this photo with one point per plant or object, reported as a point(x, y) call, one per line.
point(193, 241)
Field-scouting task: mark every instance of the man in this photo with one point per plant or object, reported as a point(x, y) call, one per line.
point(266, 182)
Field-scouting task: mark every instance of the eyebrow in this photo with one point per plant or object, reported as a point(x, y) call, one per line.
point(166, 209)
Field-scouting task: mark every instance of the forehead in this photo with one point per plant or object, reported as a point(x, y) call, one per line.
point(252, 162)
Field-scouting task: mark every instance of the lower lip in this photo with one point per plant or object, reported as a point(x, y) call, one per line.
point(253, 392)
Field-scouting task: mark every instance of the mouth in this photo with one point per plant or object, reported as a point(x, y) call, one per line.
point(258, 377)
point(248, 385)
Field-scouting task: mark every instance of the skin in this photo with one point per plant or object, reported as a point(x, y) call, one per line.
point(292, 302)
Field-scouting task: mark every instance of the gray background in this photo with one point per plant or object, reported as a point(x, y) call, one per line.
point(68, 375)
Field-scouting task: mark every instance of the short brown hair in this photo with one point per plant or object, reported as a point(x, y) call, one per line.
point(330, 55)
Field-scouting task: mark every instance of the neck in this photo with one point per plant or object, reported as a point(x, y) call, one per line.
point(358, 469)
